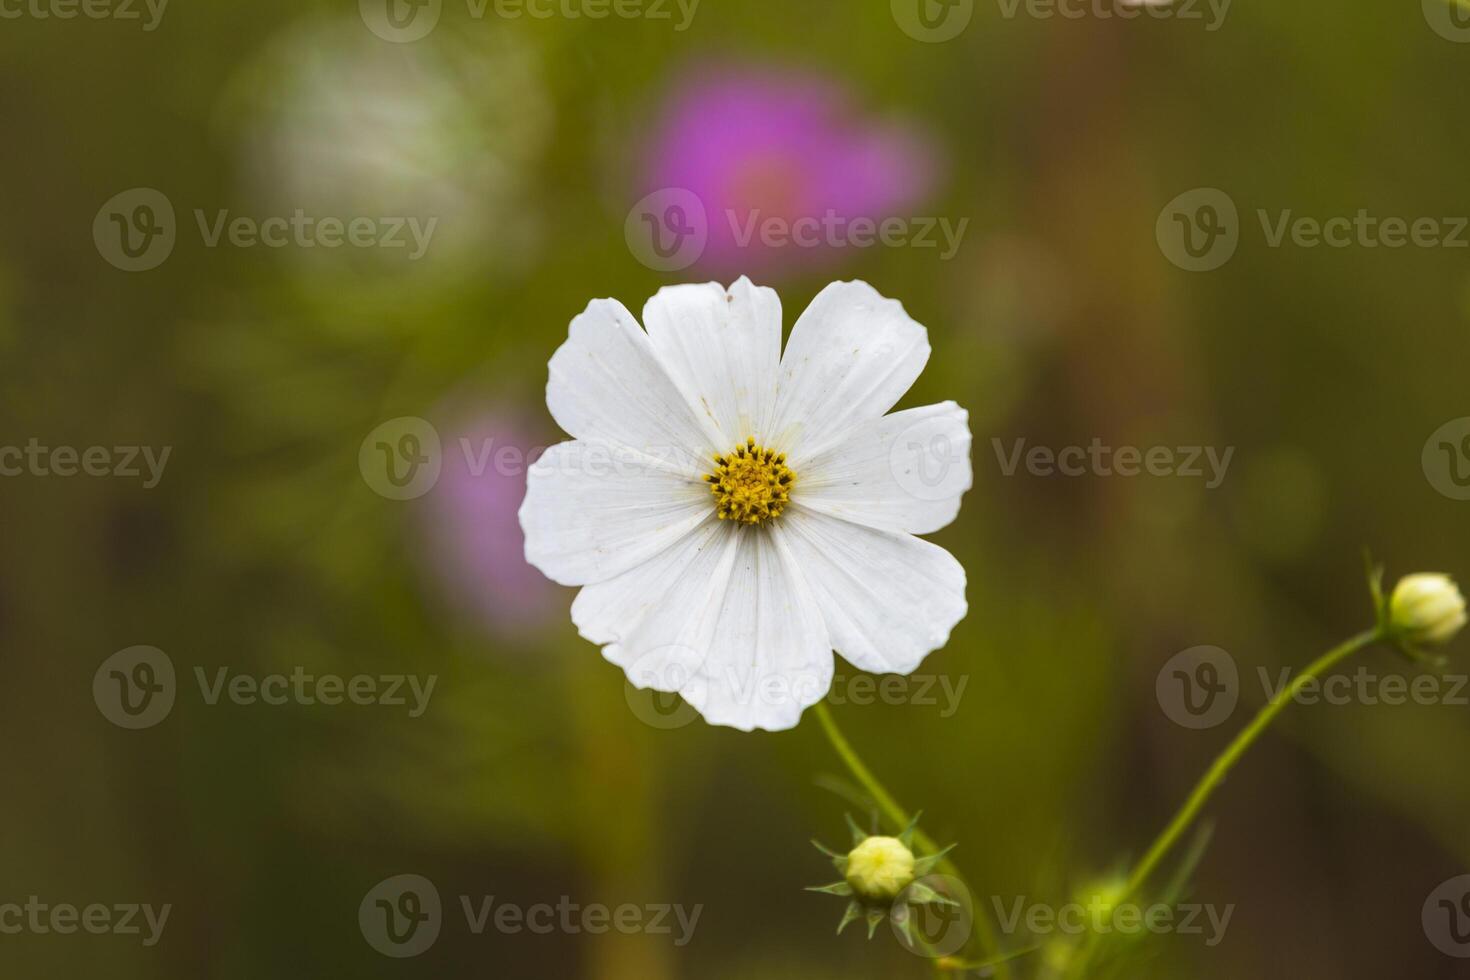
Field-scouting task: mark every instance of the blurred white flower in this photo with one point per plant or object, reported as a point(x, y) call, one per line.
point(344, 126)
point(734, 514)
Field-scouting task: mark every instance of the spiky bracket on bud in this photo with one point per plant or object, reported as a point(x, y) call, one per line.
point(881, 879)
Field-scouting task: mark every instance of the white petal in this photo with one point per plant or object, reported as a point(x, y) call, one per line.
point(611, 609)
point(723, 349)
point(851, 357)
point(595, 509)
point(738, 633)
point(903, 472)
point(771, 658)
point(606, 384)
point(887, 599)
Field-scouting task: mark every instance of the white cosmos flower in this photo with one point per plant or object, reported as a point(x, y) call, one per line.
point(734, 514)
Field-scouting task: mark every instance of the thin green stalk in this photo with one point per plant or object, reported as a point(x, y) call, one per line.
point(1227, 759)
point(900, 818)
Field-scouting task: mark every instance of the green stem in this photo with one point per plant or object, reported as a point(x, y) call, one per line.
point(1236, 749)
point(897, 816)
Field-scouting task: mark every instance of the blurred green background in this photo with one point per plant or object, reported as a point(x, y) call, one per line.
point(1060, 319)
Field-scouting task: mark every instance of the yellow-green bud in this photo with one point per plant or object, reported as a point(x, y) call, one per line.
point(1427, 609)
point(880, 867)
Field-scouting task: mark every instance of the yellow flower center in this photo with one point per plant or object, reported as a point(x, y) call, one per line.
point(752, 485)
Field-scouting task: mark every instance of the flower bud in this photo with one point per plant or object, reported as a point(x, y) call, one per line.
point(1426, 609)
point(881, 879)
point(880, 867)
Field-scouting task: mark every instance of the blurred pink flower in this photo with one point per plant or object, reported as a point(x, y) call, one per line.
point(759, 144)
point(472, 539)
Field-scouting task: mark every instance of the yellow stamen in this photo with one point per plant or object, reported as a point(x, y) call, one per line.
point(751, 485)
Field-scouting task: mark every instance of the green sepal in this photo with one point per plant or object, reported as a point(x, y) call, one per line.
point(840, 888)
point(1419, 656)
point(858, 834)
point(925, 865)
point(876, 916)
point(906, 836)
point(853, 913)
point(921, 894)
point(1375, 589)
point(904, 922)
point(838, 860)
